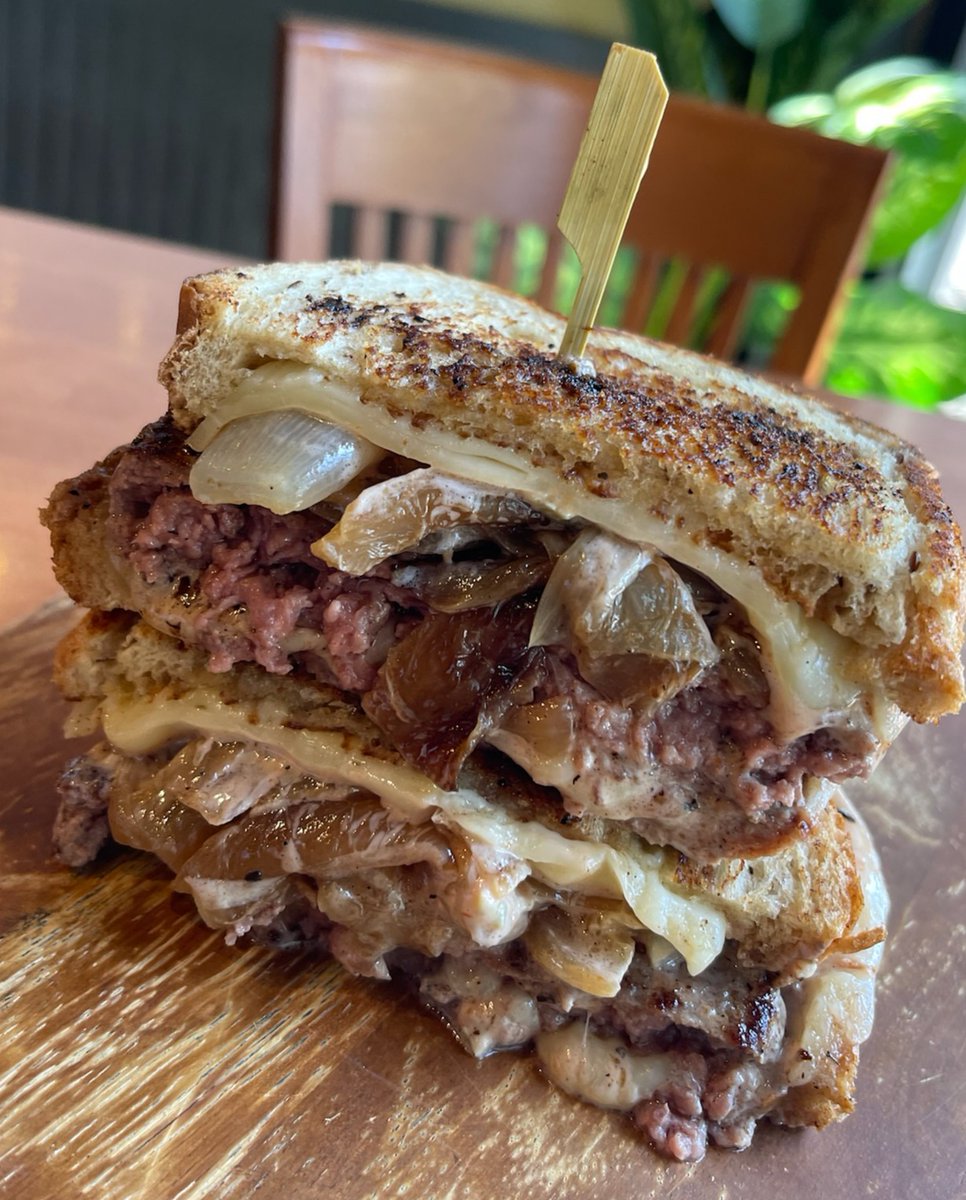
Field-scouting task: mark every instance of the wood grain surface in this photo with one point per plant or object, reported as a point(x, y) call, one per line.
point(142, 1057)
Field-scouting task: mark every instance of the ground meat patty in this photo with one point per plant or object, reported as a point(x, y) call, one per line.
point(81, 830)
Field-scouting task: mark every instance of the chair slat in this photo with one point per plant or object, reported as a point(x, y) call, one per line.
point(679, 323)
point(729, 311)
point(460, 247)
point(417, 239)
point(547, 288)
point(643, 289)
point(502, 268)
point(321, 234)
point(371, 234)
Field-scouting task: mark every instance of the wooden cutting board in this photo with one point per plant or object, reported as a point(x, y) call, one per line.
point(141, 1057)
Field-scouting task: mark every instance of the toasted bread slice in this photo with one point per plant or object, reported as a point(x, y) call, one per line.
point(775, 492)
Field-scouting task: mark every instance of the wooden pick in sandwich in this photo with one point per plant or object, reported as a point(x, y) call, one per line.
point(611, 161)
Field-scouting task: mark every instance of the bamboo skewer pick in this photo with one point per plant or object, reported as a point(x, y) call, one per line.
point(610, 163)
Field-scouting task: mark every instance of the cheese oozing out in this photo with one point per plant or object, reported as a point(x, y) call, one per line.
point(803, 657)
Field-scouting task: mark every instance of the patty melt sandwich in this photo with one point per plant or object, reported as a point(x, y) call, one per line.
point(533, 683)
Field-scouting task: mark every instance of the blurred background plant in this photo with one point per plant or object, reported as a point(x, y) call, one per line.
point(796, 60)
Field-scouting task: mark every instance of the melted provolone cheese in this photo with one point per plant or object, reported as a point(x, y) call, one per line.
point(693, 926)
point(805, 656)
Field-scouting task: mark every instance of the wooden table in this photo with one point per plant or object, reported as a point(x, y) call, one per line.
point(85, 317)
point(139, 1056)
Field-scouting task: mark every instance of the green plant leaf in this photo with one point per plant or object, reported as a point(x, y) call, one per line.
point(928, 178)
point(834, 38)
point(921, 118)
point(897, 105)
point(676, 32)
point(896, 344)
point(811, 110)
point(877, 82)
point(762, 24)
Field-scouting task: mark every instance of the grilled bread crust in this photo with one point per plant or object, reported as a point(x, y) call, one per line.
point(835, 514)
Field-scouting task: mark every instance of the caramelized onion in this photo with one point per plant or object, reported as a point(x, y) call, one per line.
point(450, 681)
point(741, 664)
point(323, 840)
point(148, 819)
point(285, 461)
point(636, 679)
point(236, 905)
point(221, 780)
point(456, 587)
point(583, 949)
point(396, 515)
point(547, 726)
point(627, 615)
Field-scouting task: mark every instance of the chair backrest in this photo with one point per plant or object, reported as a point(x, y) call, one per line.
point(400, 145)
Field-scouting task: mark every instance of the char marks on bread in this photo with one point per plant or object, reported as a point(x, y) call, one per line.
point(838, 516)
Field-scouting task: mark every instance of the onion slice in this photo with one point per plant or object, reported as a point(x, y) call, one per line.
point(627, 616)
point(284, 461)
point(323, 840)
point(617, 598)
point(458, 587)
point(586, 950)
point(396, 515)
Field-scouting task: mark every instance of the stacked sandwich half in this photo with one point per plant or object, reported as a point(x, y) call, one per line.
point(532, 683)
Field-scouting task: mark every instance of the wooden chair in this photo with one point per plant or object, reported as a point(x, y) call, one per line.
point(411, 141)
